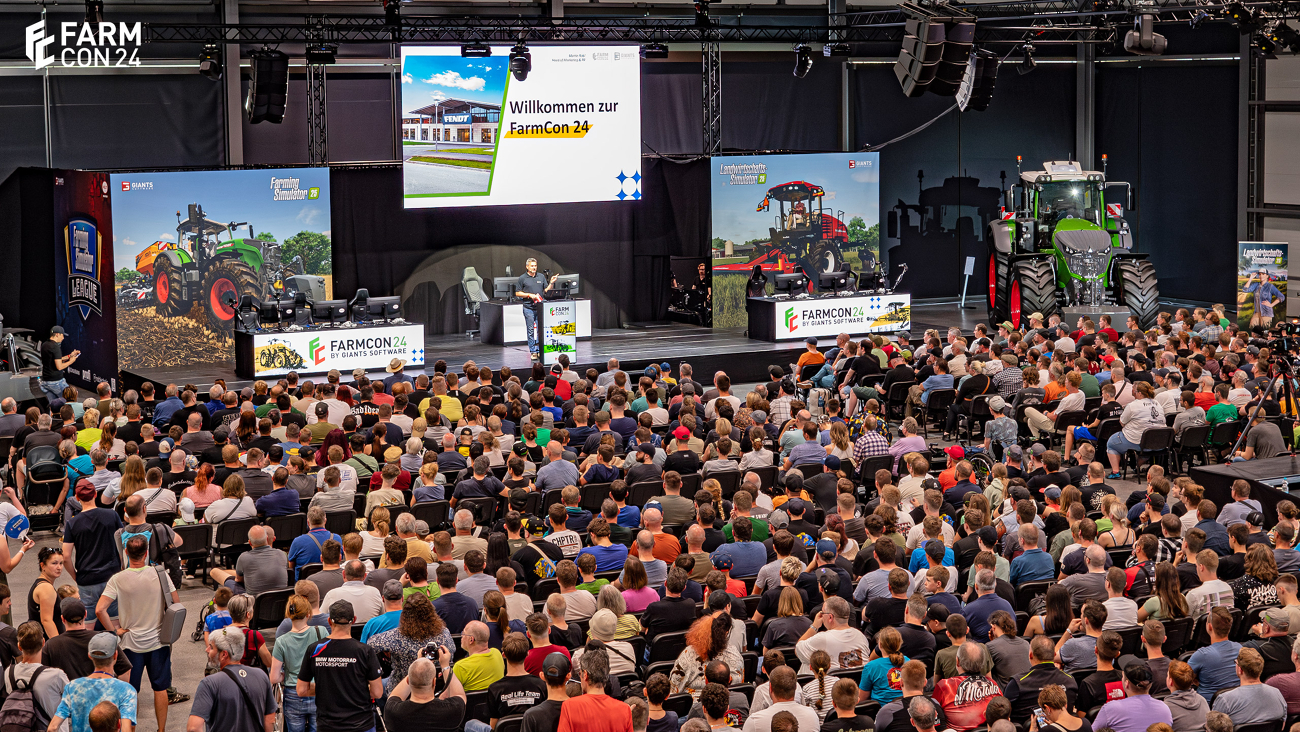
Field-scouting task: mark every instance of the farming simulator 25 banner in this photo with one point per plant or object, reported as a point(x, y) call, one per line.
point(1261, 283)
point(188, 245)
point(83, 272)
point(474, 135)
point(777, 212)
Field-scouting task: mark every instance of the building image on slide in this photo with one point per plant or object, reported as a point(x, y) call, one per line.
point(450, 121)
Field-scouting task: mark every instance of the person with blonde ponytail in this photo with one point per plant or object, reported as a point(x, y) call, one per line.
point(373, 540)
point(882, 677)
point(817, 693)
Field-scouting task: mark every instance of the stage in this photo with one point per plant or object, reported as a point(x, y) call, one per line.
point(707, 350)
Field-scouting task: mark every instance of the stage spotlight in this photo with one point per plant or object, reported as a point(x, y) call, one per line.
point(210, 61)
point(654, 50)
point(1285, 37)
point(803, 60)
point(319, 54)
point(836, 49)
point(1143, 40)
point(475, 50)
point(1263, 46)
point(1027, 62)
point(1198, 17)
point(94, 12)
point(521, 61)
point(1241, 17)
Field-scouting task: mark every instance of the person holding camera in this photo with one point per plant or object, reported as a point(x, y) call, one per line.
point(430, 697)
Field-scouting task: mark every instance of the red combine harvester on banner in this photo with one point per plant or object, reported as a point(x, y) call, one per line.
point(805, 234)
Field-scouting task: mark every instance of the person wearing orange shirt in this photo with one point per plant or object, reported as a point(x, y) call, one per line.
point(811, 357)
point(594, 710)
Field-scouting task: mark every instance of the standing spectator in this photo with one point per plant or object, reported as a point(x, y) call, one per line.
point(594, 711)
point(222, 700)
point(343, 676)
point(68, 650)
point(82, 695)
point(45, 683)
point(287, 657)
point(89, 555)
point(414, 707)
point(364, 599)
point(138, 591)
point(1253, 702)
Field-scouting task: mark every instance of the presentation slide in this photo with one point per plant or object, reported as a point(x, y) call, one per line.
point(474, 135)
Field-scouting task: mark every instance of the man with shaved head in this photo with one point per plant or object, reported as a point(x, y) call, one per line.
point(666, 546)
point(256, 571)
point(483, 665)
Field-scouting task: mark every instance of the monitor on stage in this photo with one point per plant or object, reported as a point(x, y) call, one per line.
point(474, 133)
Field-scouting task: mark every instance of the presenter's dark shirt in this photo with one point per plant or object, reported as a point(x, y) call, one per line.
point(534, 284)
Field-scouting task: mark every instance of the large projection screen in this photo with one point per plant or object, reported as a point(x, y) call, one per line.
point(474, 135)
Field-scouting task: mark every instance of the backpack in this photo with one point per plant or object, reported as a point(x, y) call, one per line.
point(21, 711)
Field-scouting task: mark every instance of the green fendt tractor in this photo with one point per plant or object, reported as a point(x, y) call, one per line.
point(217, 272)
point(1066, 246)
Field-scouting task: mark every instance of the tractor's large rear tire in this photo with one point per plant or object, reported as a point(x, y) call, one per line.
point(1033, 289)
point(1138, 289)
point(167, 287)
point(825, 257)
point(998, 285)
point(222, 282)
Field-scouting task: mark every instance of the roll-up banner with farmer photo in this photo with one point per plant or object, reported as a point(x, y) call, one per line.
point(1261, 283)
point(819, 211)
point(187, 246)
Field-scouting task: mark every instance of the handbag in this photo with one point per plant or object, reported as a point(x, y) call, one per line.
point(173, 614)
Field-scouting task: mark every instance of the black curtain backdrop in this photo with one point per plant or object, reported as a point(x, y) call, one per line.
point(621, 250)
point(958, 162)
point(1171, 131)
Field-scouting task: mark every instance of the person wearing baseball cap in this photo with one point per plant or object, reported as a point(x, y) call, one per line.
point(810, 357)
point(388, 619)
point(53, 362)
point(1274, 642)
point(956, 454)
point(343, 674)
point(723, 562)
point(1002, 429)
point(556, 671)
point(827, 562)
point(681, 457)
point(83, 694)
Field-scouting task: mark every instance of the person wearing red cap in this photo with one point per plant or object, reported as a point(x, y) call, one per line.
point(956, 454)
point(683, 460)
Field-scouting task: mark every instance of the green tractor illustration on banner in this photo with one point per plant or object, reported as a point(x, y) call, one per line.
point(201, 266)
point(278, 354)
point(1066, 243)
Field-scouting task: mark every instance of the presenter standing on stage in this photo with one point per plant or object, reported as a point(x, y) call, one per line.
point(532, 286)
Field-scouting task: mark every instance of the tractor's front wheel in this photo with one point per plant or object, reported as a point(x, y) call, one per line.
point(999, 266)
point(824, 257)
point(222, 288)
point(1032, 289)
point(1138, 289)
point(168, 286)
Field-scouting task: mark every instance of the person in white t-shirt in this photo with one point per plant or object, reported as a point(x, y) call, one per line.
point(1213, 591)
point(1121, 612)
point(848, 647)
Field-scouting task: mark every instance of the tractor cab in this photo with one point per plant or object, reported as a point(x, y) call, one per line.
point(799, 205)
point(199, 235)
point(804, 231)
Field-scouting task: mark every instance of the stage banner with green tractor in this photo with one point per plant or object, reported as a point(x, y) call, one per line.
point(778, 213)
point(1261, 283)
point(189, 245)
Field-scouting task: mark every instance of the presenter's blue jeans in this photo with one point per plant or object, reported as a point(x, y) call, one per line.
point(530, 323)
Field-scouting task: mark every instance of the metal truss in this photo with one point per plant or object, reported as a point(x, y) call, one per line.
point(712, 92)
point(1062, 21)
point(317, 128)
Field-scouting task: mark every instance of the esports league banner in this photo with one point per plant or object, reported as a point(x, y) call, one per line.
point(83, 271)
point(1261, 283)
point(559, 330)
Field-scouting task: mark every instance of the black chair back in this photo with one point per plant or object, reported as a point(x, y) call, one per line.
point(766, 475)
point(234, 533)
point(1028, 590)
point(484, 509)
point(433, 513)
point(729, 480)
point(195, 540)
point(268, 608)
point(690, 483)
point(340, 522)
point(593, 495)
point(639, 494)
point(287, 528)
point(667, 647)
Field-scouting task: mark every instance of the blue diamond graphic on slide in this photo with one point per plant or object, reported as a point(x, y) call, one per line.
point(621, 176)
point(621, 195)
point(637, 176)
point(636, 196)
